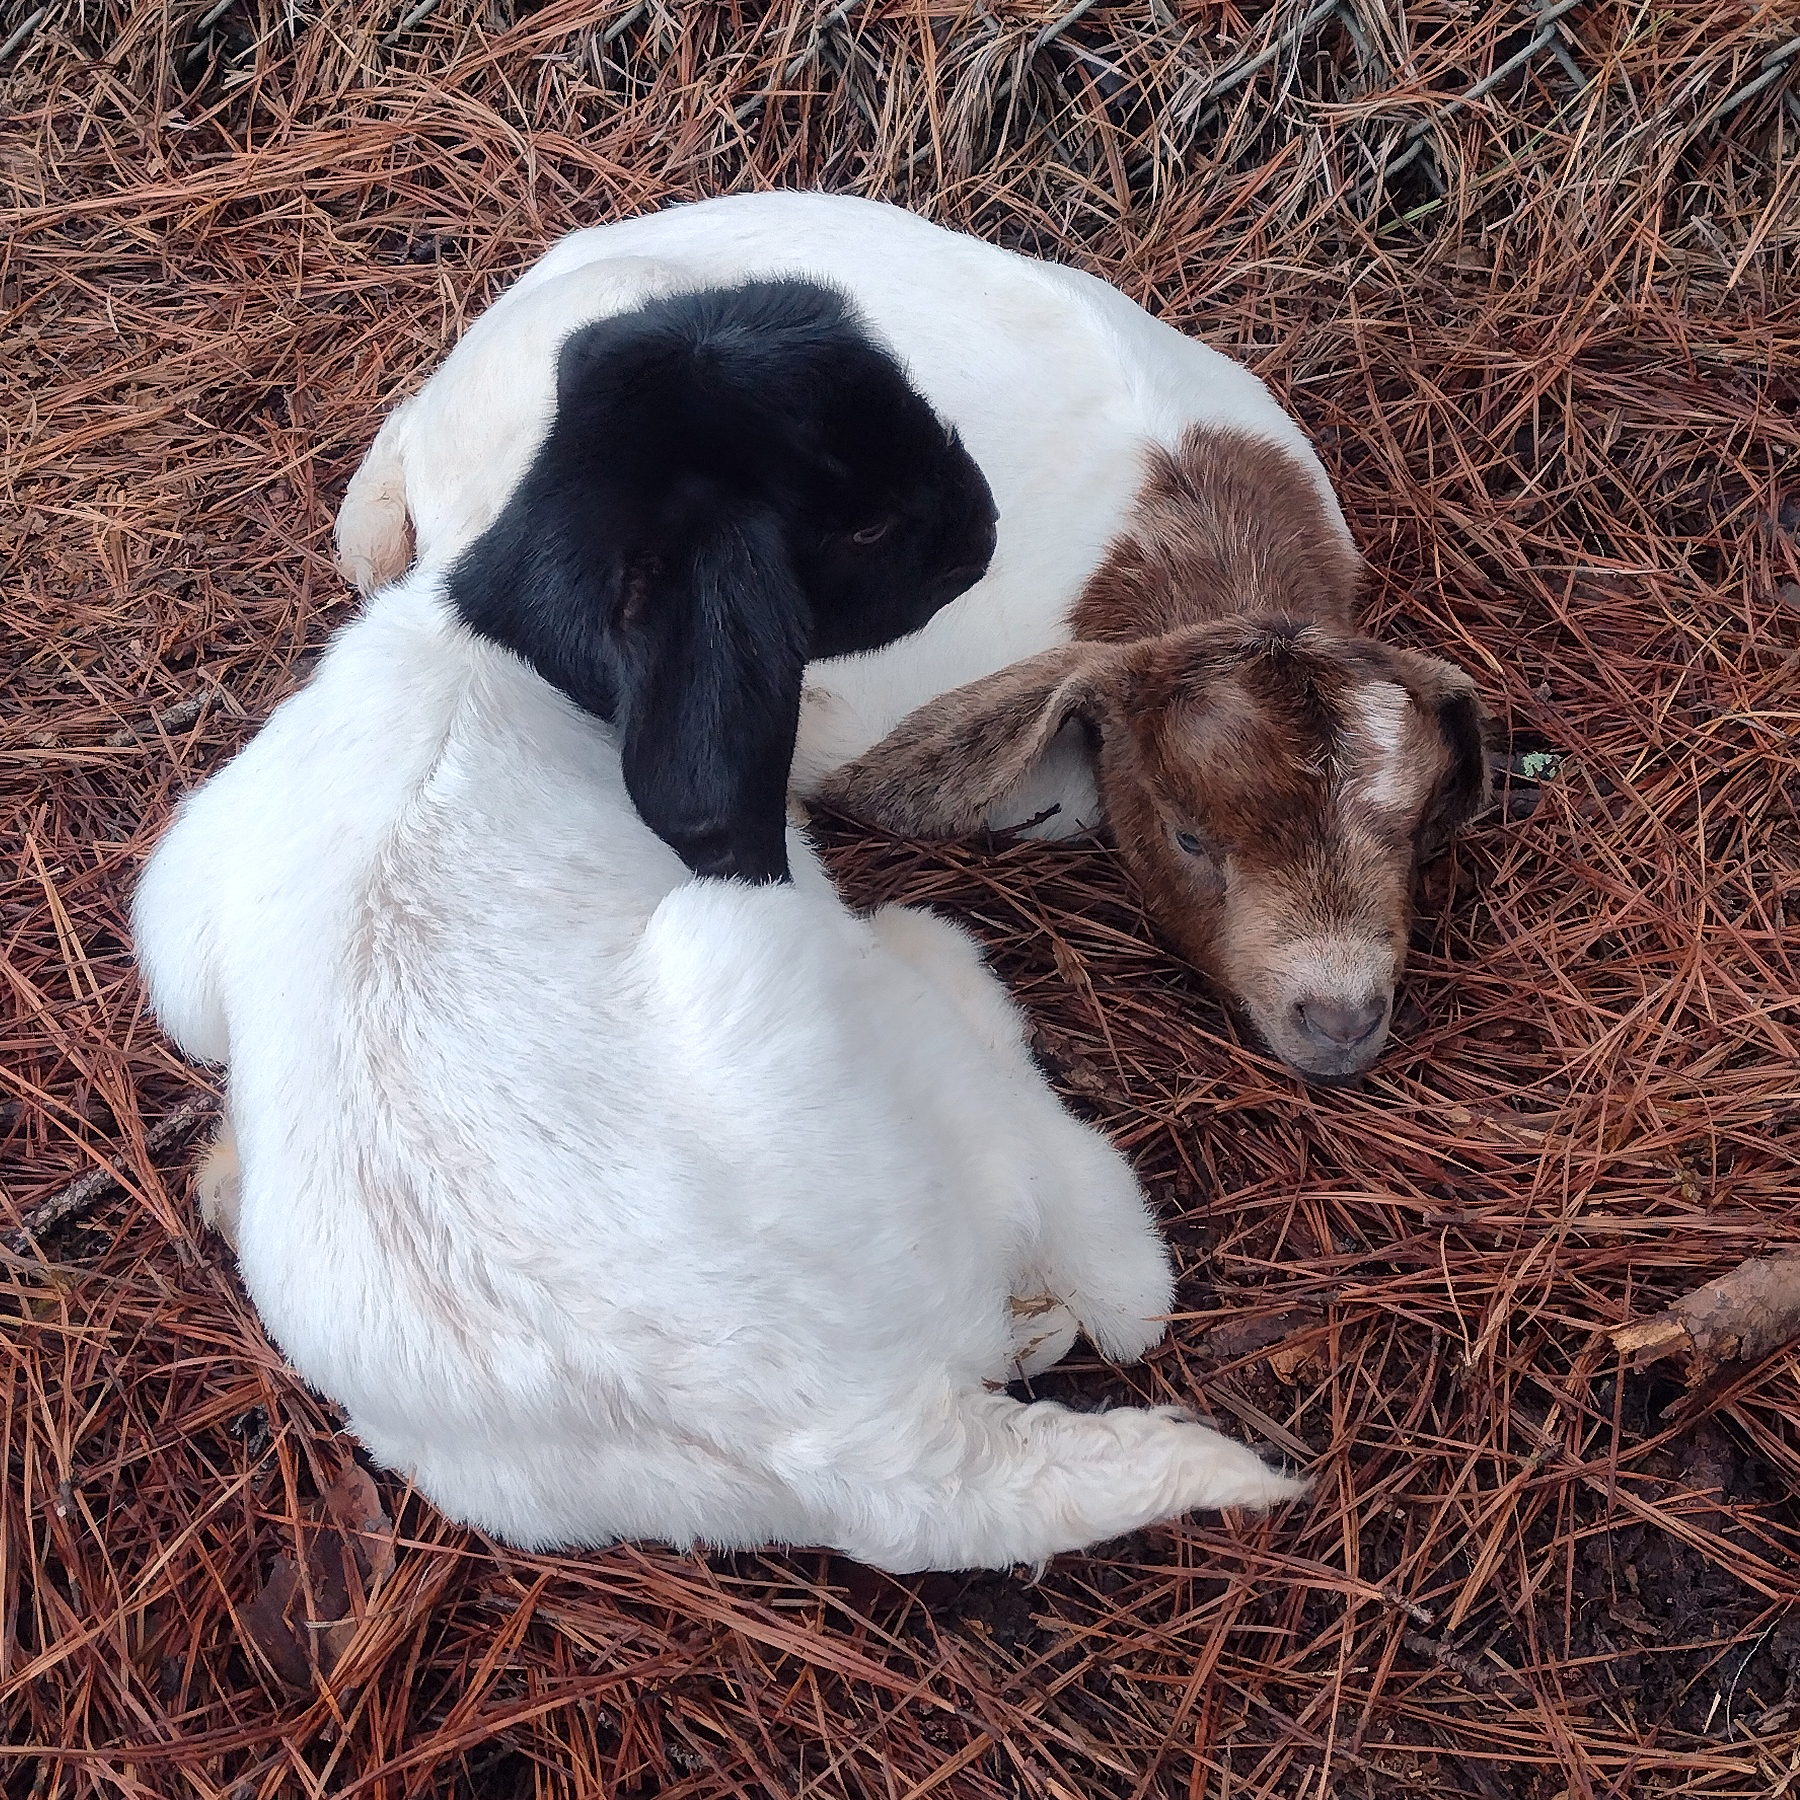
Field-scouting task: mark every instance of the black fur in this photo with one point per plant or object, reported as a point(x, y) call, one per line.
point(686, 541)
point(1463, 789)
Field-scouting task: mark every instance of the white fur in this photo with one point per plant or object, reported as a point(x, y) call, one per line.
point(1055, 379)
point(1060, 797)
point(613, 1203)
point(1383, 711)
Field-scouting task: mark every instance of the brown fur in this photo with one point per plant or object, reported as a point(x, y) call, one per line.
point(1242, 737)
point(1225, 523)
point(940, 769)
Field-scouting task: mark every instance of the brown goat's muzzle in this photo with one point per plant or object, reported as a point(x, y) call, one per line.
point(1321, 1003)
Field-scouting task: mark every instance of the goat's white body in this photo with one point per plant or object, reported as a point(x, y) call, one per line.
point(613, 1203)
point(1056, 381)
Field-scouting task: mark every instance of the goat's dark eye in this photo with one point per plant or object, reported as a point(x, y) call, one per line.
point(871, 534)
point(1190, 843)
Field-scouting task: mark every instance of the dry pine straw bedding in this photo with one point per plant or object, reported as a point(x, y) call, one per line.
point(1528, 276)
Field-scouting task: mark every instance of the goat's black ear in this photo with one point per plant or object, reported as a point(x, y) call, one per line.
point(544, 596)
point(709, 700)
point(1463, 789)
point(1444, 692)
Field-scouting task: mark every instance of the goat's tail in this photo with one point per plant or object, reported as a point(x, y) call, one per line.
point(1034, 1480)
point(374, 529)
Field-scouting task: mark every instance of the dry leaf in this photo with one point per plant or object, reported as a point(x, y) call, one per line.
point(1296, 1360)
point(1076, 1068)
point(268, 1622)
point(356, 1506)
point(305, 1642)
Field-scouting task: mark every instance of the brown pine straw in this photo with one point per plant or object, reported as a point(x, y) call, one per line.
point(1528, 273)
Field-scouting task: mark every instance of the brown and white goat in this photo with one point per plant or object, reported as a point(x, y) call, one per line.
point(1172, 567)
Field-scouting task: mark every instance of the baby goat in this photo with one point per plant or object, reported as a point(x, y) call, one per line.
point(1171, 564)
point(1269, 775)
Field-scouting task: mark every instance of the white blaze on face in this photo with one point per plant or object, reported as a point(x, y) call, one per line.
point(1380, 712)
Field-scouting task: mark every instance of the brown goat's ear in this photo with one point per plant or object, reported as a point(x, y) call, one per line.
point(1463, 789)
point(940, 769)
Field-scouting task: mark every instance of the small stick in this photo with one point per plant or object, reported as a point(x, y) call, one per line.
point(1454, 1660)
point(622, 24)
point(1419, 1615)
point(756, 102)
point(171, 718)
point(85, 1191)
point(1057, 27)
point(417, 16)
point(24, 31)
point(1546, 31)
point(211, 18)
point(1241, 72)
point(1772, 67)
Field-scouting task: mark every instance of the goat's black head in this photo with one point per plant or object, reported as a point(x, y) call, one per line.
point(736, 481)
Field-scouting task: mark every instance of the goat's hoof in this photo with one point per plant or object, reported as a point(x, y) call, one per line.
point(216, 1186)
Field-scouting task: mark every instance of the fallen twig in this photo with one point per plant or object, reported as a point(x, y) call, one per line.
point(23, 33)
point(85, 1191)
point(174, 718)
point(1740, 1318)
point(1441, 1654)
point(1774, 64)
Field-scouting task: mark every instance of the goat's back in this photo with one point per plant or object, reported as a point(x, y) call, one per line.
point(544, 1143)
point(1061, 387)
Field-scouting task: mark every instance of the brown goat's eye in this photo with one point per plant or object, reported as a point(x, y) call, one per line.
point(1190, 843)
point(871, 534)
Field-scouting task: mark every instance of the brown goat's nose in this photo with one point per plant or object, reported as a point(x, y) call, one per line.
point(1343, 1027)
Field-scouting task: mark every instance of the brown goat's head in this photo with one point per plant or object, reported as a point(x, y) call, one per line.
point(1270, 784)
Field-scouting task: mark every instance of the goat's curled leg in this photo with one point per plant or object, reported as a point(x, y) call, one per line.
point(216, 1182)
point(1099, 1248)
point(999, 1482)
point(374, 527)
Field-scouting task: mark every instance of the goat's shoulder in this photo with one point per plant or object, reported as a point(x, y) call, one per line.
point(1226, 521)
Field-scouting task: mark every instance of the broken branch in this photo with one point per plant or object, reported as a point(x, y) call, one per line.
point(1739, 1318)
point(86, 1191)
